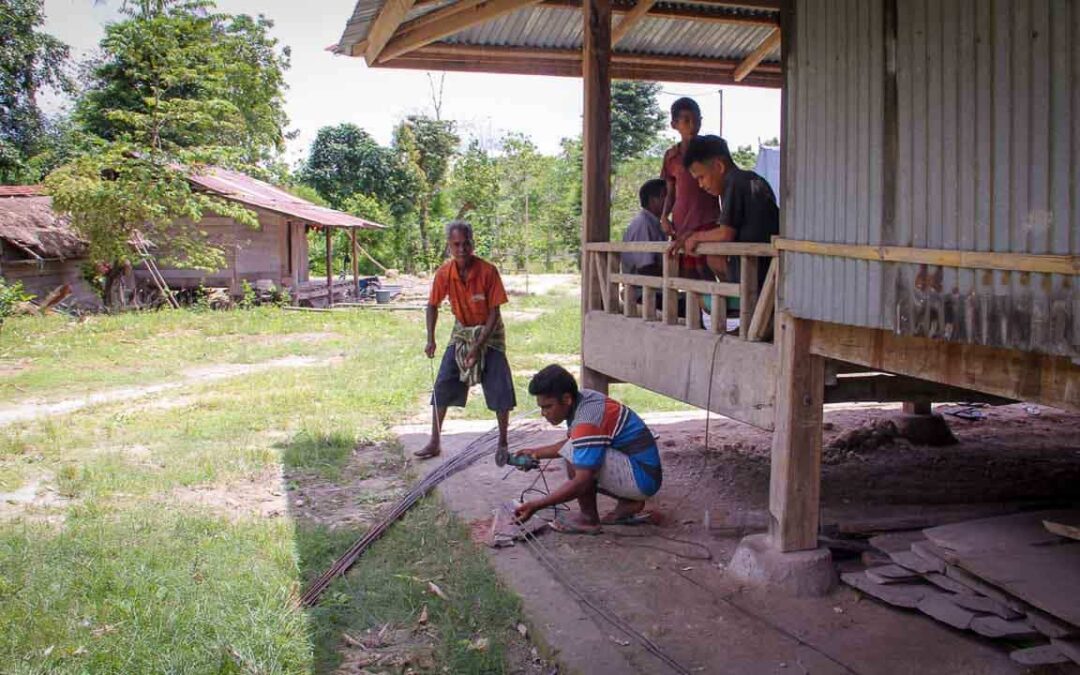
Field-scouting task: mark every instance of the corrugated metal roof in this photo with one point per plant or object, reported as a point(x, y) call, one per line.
point(547, 26)
point(242, 188)
point(31, 225)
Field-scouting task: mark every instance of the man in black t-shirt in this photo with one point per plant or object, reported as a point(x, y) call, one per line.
point(748, 205)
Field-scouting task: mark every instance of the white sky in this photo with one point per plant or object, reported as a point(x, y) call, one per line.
point(325, 89)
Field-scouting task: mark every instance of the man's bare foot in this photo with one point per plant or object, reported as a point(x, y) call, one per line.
point(502, 455)
point(428, 451)
point(626, 509)
point(575, 524)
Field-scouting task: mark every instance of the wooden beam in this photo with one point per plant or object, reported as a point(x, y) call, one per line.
point(641, 8)
point(391, 15)
point(355, 262)
point(891, 388)
point(692, 12)
point(435, 17)
point(795, 473)
point(758, 55)
point(701, 72)
point(709, 248)
point(1012, 374)
point(596, 152)
point(466, 18)
point(981, 260)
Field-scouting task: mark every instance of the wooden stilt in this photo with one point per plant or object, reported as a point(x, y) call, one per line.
point(329, 268)
point(596, 160)
point(795, 477)
point(355, 264)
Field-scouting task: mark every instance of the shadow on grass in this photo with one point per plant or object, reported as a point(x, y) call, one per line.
point(389, 584)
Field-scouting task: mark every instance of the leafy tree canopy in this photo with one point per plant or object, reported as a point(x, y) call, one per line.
point(636, 118)
point(30, 61)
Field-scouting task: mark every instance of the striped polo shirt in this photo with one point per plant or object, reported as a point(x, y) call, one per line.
point(598, 424)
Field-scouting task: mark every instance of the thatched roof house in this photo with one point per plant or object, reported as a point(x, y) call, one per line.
point(38, 248)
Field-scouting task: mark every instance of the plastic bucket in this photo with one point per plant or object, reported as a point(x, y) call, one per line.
point(382, 296)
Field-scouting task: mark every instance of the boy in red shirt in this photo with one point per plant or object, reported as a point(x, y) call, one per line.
point(688, 208)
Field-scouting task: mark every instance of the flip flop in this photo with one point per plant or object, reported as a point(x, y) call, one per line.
point(426, 454)
point(567, 527)
point(640, 518)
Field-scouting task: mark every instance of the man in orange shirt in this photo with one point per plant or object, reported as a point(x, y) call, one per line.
point(477, 349)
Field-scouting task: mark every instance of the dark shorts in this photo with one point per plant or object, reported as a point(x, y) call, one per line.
point(497, 382)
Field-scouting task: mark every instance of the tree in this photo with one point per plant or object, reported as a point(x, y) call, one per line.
point(345, 160)
point(636, 118)
point(425, 147)
point(177, 74)
point(30, 61)
point(744, 157)
point(177, 87)
point(474, 186)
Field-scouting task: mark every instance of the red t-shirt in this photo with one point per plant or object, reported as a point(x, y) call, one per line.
point(473, 298)
point(694, 209)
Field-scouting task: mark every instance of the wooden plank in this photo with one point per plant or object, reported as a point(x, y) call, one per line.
point(1016, 554)
point(612, 260)
point(702, 286)
point(761, 323)
point(795, 476)
point(748, 293)
point(709, 248)
point(596, 153)
point(1064, 527)
point(1012, 374)
point(600, 281)
point(758, 55)
point(637, 280)
point(673, 361)
point(435, 17)
point(671, 295)
point(391, 15)
point(984, 260)
point(641, 8)
point(648, 304)
point(693, 311)
point(470, 16)
point(718, 314)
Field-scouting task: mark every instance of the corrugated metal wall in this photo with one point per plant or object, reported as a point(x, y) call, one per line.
point(979, 152)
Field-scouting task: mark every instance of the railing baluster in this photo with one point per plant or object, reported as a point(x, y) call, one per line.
point(748, 292)
point(671, 295)
point(718, 315)
point(648, 303)
point(693, 310)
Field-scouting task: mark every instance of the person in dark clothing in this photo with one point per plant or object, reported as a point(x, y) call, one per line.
point(748, 206)
point(645, 226)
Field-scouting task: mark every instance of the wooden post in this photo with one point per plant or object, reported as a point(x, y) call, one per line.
point(920, 407)
point(355, 263)
point(596, 151)
point(795, 476)
point(670, 309)
point(748, 293)
point(329, 268)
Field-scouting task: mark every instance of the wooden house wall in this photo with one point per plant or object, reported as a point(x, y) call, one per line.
point(941, 124)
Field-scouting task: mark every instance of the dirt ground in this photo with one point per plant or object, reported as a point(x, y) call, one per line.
point(669, 580)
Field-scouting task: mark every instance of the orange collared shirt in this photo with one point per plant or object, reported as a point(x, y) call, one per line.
point(473, 298)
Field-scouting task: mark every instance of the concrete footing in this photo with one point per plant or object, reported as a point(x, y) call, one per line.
point(930, 430)
point(799, 573)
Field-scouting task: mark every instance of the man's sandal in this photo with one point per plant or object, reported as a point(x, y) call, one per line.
point(427, 453)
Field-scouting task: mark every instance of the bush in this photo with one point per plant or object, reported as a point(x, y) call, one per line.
point(11, 295)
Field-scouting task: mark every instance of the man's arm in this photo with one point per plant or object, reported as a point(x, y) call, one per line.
point(669, 204)
point(432, 316)
point(581, 482)
point(721, 233)
point(544, 452)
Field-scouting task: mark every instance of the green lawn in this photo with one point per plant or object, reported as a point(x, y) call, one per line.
point(117, 568)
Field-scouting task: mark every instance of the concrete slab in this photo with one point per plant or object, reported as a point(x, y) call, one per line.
point(694, 609)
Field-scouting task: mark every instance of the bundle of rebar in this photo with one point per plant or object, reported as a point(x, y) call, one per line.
point(481, 446)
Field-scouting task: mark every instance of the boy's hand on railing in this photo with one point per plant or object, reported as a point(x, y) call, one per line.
point(676, 246)
point(666, 226)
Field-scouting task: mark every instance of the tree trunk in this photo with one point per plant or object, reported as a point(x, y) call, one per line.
point(109, 291)
point(424, 214)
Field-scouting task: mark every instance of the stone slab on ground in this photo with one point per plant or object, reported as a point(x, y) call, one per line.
point(891, 574)
point(996, 627)
point(1043, 655)
point(901, 595)
point(942, 608)
point(1070, 648)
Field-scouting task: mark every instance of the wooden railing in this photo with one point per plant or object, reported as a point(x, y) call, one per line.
point(614, 292)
